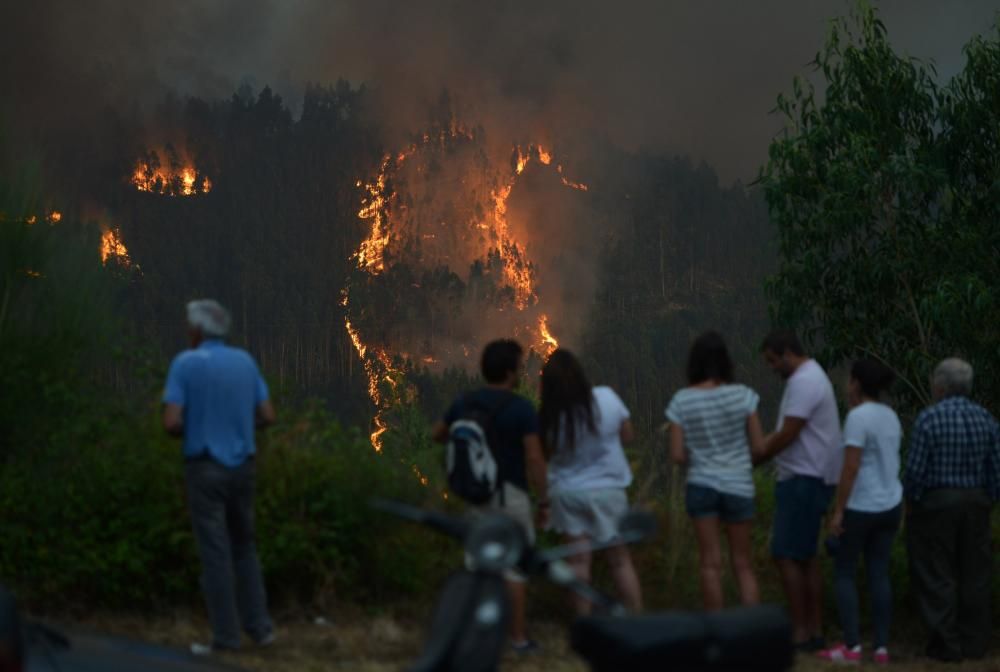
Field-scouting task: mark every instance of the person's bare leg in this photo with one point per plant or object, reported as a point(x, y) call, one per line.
point(517, 591)
point(793, 580)
point(580, 563)
point(626, 579)
point(740, 557)
point(814, 597)
point(706, 529)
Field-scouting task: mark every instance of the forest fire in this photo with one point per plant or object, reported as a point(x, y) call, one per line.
point(112, 247)
point(396, 226)
point(549, 342)
point(183, 181)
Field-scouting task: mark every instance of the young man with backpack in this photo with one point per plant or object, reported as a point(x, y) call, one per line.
point(494, 452)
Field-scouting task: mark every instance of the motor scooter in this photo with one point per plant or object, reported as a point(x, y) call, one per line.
point(468, 628)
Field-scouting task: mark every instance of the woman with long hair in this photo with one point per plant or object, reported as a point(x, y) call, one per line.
point(582, 429)
point(714, 425)
point(868, 508)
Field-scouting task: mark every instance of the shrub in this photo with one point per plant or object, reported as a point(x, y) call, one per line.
point(104, 523)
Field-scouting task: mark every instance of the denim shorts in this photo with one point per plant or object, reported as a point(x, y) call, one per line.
point(702, 501)
point(800, 503)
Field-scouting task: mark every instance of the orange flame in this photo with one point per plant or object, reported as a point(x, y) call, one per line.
point(165, 182)
point(371, 254)
point(569, 183)
point(54, 217)
point(517, 270)
point(113, 247)
point(549, 342)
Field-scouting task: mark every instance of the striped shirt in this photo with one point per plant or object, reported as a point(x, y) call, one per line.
point(714, 421)
point(954, 444)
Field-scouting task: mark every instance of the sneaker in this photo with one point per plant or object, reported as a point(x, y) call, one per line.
point(841, 654)
point(881, 656)
point(527, 646)
point(266, 640)
point(202, 649)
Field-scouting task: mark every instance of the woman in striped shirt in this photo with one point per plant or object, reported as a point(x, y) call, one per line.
point(713, 424)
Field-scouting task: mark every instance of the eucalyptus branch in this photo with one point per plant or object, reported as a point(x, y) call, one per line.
point(920, 393)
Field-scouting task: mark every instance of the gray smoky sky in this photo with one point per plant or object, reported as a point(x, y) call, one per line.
point(695, 77)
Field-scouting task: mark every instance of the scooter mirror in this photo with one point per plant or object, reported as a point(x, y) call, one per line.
point(494, 543)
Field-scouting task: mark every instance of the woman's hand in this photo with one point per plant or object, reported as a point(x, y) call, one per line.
point(837, 523)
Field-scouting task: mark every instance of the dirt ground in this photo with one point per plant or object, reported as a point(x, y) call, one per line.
point(367, 643)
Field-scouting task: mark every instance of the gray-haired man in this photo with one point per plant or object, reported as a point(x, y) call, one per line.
point(214, 399)
point(952, 477)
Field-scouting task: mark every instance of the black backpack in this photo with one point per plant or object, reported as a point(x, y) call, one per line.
point(471, 463)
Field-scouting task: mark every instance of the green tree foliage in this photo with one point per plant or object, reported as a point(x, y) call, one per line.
point(885, 189)
point(57, 318)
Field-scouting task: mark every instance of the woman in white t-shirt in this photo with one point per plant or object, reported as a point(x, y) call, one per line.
point(713, 425)
point(582, 429)
point(868, 508)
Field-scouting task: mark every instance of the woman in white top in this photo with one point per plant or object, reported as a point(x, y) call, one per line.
point(868, 508)
point(714, 423)
point(582, 429)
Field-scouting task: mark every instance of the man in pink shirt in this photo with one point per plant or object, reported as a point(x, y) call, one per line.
point(808, 456)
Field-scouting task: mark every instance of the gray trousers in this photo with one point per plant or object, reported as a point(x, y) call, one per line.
point(221, 504)
point(948, 539)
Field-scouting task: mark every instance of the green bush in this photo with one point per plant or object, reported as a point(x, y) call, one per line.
point(104, 523)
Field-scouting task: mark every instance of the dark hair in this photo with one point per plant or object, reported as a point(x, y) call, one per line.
point(873, 376)
point(500, 358)
point(709, 359)
point(567, 398)
point(781, 341)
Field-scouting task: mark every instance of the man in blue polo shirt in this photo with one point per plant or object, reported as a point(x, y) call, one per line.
point(214, 398)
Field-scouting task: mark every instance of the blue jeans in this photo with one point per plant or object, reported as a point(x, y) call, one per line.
point(871, 534)
point(702, 501)
point(221, 503)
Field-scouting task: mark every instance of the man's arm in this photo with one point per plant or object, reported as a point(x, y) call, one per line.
point(755, 433)
point(265, 415)
point(534, 461)
point(538, 476)
point(778, 441)
point(916, 462)
point(993, 466)
point(173, 419)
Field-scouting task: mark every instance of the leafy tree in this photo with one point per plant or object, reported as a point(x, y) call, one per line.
point(884, 191)
point(57, 316)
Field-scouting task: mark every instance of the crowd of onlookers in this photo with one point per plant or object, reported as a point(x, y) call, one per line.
point(570, 457)
point(562, 467)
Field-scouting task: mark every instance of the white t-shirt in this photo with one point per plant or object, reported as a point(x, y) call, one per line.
point(598, 459)
point(714, 421)
point(816, 451)
point(875, 429)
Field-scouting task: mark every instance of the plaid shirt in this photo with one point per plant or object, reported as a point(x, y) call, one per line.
point(954, 444)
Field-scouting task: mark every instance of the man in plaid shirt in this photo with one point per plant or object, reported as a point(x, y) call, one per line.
point(951, 480)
